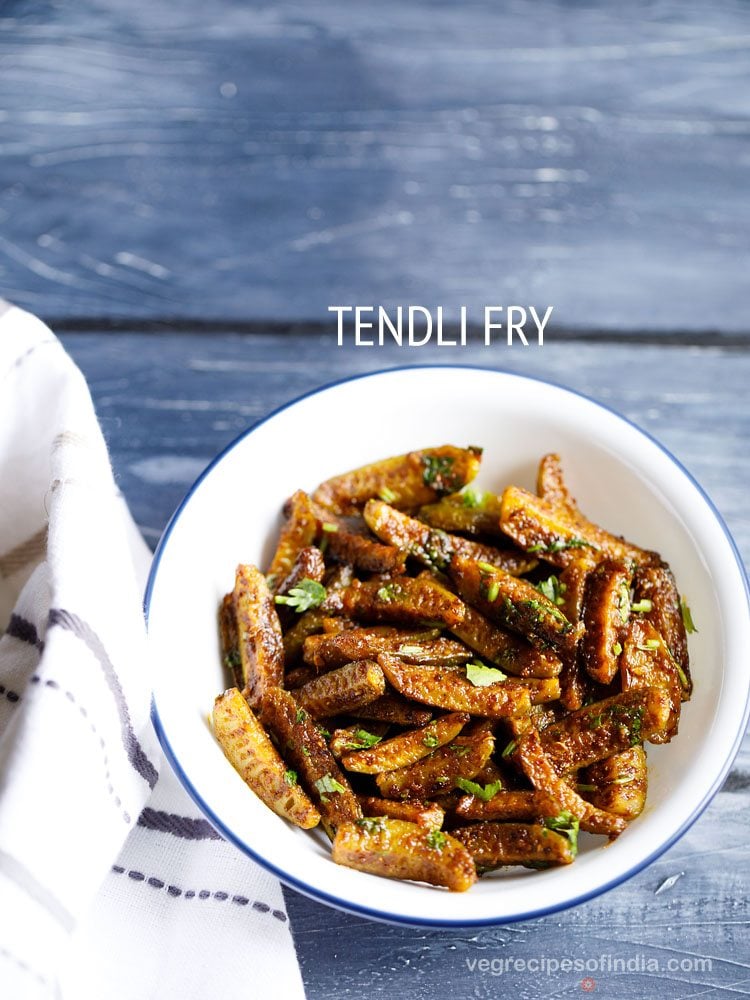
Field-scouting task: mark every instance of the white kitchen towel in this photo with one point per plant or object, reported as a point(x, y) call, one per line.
point(111, 883)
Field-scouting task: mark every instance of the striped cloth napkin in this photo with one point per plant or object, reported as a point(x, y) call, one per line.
point(111, 884)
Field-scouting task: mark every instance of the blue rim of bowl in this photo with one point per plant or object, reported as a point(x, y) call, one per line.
point(346, 905)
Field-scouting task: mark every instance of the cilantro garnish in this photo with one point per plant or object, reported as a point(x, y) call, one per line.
point(388, 593)
point(371, 824)
point(687, 616)
point(471, 499)
point(481, 675)
point(328, 784)
point(290, 777)
point(472, 788)
point(559, 544)
point(649, 645)
point(437, 840)
point(437, 473)
point(306, 595)
point(623, 602)
point(552, 590)
point(642, 607)
point(567, 824)
point(362, 740)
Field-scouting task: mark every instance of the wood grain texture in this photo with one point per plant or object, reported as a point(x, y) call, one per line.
point(168, 403)
point(254, 160)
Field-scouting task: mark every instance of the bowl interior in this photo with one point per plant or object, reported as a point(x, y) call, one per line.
point(622, 480)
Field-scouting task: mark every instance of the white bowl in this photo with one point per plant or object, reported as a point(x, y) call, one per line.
point(623, 480)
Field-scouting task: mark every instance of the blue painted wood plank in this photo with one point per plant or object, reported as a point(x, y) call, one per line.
point(168, 403)
point(268, 161)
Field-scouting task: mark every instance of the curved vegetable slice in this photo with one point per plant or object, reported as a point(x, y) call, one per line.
point(399, 849)
point(342, 691)
point(403, 599)
point(618, 784)
point(409, 480)
point(549, 531)
point(306, 749)
point(493, 845)
point(606, 612)
point(446, 687)
point(256, 759)
point(258, 634)
point(408, 748)
point(434, 547)
point(427, 814)
point(299, 531)
point(515, 604)
point(463, 758)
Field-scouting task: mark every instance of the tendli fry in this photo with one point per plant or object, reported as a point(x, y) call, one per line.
point(465, 684)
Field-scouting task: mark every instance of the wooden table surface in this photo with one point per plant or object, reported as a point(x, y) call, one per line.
point(185, 188)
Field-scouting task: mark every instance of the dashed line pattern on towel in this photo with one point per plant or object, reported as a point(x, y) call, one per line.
point(202, 894)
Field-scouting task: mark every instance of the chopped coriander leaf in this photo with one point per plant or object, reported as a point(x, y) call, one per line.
point(301, 715)
point(388, 593)
point(687, 616)
point(548, 609)
point(460, 750)
point(330, 527)
point(509, 749)
point(552, 590)
point(567, 824)
point(493, 590)
point(325, 733)
point(328, 784)
point(595, 720)
point(616, 649)
point(371, 824)
point(623, 602)
point(409, 649)
point(232, 659)
point(559, 544)
point(481, 675)
point(430, 741)
point(472, 788)
point(636, 725)
point(649, 644)
point(306, 595)
point(437, 840)
point(305, 752)
point(387, 495)
point(472, 498)
point(438, 474)
point(362, 740)
point(290, 777)
point(642, 607)
point(683, 676)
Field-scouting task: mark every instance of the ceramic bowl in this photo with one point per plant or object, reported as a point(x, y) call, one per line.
point(623, 479)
